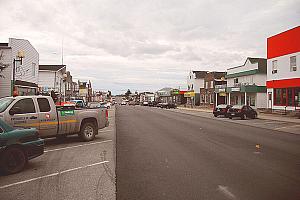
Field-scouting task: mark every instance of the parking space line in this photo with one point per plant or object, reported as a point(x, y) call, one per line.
point(53, 174)
point(76, 146)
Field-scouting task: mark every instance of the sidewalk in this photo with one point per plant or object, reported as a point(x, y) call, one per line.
point(260, 115)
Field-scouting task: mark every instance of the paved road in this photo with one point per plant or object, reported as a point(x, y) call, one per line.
point(169, 155)
point(69, 169)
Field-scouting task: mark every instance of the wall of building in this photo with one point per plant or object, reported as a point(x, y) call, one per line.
point(5, 81)
point(261, 100)
point(283, 67)
point(46, 79)
point(28, 71)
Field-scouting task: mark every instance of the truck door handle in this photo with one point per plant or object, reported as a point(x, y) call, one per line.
point(33, 117)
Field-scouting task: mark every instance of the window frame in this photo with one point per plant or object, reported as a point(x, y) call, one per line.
point(274, 67)
point(38, 103)
point(292, 67)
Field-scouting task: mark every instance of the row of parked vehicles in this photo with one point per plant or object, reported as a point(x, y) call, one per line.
point(229, 111)
point(153, 104)
point(24, 120)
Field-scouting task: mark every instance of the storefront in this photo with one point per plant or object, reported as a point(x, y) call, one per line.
point(283, 75)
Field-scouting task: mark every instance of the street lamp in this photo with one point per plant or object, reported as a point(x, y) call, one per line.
point(19, 58)
point(65, 81)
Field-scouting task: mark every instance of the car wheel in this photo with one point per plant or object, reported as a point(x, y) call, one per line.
point(88, 131)
point(243, 116)
point(215, 115)
point(13, 160)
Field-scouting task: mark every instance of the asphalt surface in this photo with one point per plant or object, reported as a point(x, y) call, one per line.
point(69, 169)
point(171, 155)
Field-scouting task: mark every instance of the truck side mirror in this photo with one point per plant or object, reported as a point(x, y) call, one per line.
point(15, 110)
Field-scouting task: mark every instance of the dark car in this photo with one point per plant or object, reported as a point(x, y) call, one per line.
point(168, 105)
point(17, 146)
point(242, 111)
point(221, 109)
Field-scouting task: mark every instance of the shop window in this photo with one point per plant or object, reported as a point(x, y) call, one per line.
point(277, 96)
point(297, 96)
point(274, 66)
point(293, 64)
point(236, 80)
point(290, 97)
point(284, 97)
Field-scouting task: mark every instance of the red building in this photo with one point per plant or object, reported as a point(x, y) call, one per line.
point(283, 74)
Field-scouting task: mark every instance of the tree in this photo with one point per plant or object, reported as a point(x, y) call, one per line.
point(127, 94)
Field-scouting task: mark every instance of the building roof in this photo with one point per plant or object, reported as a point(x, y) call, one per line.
point(51, 67)
point(261, 61)
point(218, 75)
point(25, 83)
point(165, 89)
point(200, 74)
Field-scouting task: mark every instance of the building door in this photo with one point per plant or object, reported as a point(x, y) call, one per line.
point(270, 100)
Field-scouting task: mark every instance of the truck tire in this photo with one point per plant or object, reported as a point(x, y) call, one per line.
point(13, 160)
point(88, 131)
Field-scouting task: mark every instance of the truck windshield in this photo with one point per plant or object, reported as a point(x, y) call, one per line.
point(4, 103)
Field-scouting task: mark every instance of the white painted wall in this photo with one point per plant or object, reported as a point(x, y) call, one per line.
point(283, 67)
point(257, 79)
point(5, 83)
point(197, 83)
point(29, 69)
point(46, 79)
point(261, 100)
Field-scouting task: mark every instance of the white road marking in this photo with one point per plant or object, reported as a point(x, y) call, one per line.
point(287, 127)
point(53, 174)
point(76, 146)
point(224, 190)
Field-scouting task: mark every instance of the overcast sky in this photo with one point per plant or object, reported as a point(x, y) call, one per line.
point(146, 44)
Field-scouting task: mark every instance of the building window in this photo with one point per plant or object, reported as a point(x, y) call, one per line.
point(293, 63)
point(277, 96)
point(274, 66)
point(236, 80)
point(206, 85)
point(33, 69)
point(212, 84)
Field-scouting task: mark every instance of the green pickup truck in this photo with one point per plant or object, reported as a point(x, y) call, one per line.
point(17, 146)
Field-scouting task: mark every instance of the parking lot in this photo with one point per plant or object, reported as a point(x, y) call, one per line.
point(69, 169)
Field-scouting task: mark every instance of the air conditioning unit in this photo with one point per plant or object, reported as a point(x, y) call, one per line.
point(274, 71)
point(294, 68)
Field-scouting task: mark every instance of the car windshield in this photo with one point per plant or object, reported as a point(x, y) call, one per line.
point(237, 106)
point(4, 103)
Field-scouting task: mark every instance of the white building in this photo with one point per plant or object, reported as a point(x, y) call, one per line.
point(22, 60)
point(283, 76)
point(195, 82)
point(5, 71)
point(52, 77)
point(246, 84)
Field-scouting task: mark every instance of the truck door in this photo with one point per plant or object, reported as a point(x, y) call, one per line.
point(47, 118)
point(23, 114)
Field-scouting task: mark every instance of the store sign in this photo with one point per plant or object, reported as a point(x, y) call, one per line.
point(235, 89)
point(189, 94)
point(222, 94)
point(83, 92)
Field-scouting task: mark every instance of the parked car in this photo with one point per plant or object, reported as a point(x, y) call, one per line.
point(242, 111)
point(168, 105)
point(17, 146)
point(40, 112)
point(145, 103)
point(132, 103)
point(221, 109)
point(78, 103)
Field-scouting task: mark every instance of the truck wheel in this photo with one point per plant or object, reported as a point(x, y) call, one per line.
point(13, 161)
point(88, 131)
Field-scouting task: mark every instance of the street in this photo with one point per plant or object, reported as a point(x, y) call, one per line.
point(171, 155)
point(69, 169)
